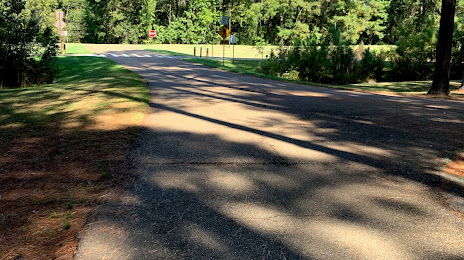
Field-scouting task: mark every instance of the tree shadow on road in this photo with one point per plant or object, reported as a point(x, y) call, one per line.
point(204, 195)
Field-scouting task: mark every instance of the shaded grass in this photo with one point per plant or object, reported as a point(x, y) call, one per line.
point(251, 67)
point(76, 48)
point(64, 145)
point(402, 86)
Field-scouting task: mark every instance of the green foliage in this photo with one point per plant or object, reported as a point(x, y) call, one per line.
point(27, 51)
point(275, 22)
point(410, 24)
point(373, 66)
point(414, 53)
point(322, 64)
point(457, 68)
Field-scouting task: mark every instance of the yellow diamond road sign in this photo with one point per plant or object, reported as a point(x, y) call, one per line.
point(224, 32)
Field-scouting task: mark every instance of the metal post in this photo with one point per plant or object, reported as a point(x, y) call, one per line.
point(201, 51)
point(194, 51)
point(230, 23)
point(233, 52)
point(207, 52)
point(223, 51)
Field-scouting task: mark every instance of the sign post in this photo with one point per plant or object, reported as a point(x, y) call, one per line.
point(60, 25)
point(152, 34)
point(232, 40)
point(224, 20)
point(223, 32)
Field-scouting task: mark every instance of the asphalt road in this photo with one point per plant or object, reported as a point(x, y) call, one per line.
point(238, 167)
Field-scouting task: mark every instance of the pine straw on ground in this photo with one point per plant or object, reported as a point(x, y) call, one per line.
point(456, 164)
point(62, 148)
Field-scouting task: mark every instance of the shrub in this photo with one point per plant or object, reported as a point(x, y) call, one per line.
point(27, 53)
point(323, 64)
point(372, 66)
point(413, 58)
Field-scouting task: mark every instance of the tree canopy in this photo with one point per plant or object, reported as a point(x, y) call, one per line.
point(253, 21)
point(27, 52)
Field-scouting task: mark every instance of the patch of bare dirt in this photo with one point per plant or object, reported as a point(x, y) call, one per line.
point(50, 180)
point(456, 164)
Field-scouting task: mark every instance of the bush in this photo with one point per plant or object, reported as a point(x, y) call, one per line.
point(322, 64)
point(372, 66)
point(412, 59)
point(27, 53)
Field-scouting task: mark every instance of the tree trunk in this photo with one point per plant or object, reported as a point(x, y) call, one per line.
point(440, 84)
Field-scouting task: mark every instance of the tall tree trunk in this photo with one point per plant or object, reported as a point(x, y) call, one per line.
point(440, 84)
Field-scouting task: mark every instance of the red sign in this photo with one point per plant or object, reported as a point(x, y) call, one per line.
point(152, 33)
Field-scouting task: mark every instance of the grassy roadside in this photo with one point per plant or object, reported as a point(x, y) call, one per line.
point(251, 67)
point(63, 146)
point(239, 51)
point(77, 48)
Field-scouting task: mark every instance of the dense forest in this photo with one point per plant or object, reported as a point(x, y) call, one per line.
point(277, 22)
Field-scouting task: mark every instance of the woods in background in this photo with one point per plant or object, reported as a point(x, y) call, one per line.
point(410, 25)
point(277, 22)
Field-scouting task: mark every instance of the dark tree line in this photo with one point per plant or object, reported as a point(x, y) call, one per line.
point(27, 51)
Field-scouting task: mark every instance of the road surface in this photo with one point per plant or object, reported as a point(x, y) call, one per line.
point(239, 167)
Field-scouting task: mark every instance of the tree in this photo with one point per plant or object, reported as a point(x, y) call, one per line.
point(440, 84)
point(27, 52)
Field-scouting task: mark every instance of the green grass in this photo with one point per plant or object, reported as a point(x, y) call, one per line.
point(402, 86)
point(91, 94)
point(76, 48)
point(57, 134)
point(375, 48)
point(239, 51)
point(251, 67)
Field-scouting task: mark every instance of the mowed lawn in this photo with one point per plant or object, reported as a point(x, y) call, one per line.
point(237, 51)
point(216, 51)
point(76, 48)
point(62, 147)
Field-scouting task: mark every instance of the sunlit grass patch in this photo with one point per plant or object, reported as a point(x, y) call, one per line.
point(240, 66)
point(239, 51)
point(86, 88)
point(76, 48)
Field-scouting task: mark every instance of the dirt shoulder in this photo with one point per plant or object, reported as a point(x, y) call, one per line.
point(63, 150)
